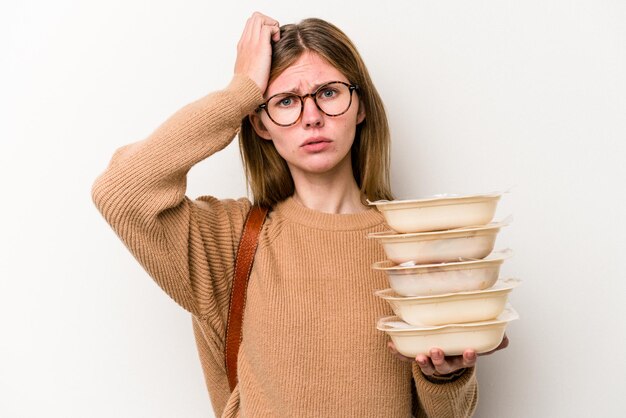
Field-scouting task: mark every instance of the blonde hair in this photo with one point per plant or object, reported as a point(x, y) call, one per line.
point(267, 173)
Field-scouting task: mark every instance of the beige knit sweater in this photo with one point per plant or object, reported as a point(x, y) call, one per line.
point(310, 347)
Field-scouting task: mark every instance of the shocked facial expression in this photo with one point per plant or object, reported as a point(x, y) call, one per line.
point(316, 143)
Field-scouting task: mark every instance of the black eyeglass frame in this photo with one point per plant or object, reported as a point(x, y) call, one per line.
point(351, 88)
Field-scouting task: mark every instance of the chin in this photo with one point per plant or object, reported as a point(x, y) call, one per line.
point(319, 169)
point(321, 164)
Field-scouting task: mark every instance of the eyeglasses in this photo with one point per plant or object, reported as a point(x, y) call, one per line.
point(333, 99)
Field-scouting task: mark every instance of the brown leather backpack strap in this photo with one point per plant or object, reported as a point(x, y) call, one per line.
point(243, 267)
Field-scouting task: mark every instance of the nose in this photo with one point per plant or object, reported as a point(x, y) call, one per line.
point(311, 115)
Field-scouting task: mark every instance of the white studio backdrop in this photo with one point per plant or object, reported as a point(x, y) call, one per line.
point(481, 96)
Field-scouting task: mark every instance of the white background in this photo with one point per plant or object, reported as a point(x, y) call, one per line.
point(481, 95)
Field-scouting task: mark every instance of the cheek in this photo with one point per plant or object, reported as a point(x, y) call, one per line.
point(284, 146)
point(348, 130)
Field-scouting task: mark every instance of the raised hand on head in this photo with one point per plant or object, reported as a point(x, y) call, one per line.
point(254, 50)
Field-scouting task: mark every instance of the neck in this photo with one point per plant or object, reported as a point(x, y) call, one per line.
point(331, 192)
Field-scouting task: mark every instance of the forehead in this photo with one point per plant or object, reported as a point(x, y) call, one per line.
point(304, 75)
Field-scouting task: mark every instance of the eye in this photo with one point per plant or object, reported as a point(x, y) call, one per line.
point(285, 101)
point(327, 93)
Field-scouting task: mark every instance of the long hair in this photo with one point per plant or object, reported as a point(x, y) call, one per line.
point(267, 173)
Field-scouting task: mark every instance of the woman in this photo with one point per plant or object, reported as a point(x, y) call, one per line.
point(315, 143)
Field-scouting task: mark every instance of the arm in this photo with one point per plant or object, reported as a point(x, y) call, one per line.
point(187, 247)
point(446, 385)
point(455, 398)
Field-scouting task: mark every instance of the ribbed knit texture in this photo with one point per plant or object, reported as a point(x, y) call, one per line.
point(310, 347)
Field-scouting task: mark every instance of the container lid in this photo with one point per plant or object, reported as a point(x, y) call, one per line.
point(442, 233)
point(441, 198)
point(501, 285)
point(496, 257)
point(394, 324)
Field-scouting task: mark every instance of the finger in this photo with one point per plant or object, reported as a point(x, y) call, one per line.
point(425, 364)
point(264, 19)
point(469, 358)
point(249, 32)
point(439, 361)
point(504, 343)
point(449, 364)
point(252, 29)
point(276, 33)
point(260, 33)
point(260, 22)
point(270, 32)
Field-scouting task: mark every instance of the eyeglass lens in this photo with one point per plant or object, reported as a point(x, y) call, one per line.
point(333, 99)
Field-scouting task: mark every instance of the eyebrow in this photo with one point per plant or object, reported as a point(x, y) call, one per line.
point(315, 87)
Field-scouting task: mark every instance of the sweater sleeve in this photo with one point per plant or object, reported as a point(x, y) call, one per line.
point(456, 399)
point(188, 247)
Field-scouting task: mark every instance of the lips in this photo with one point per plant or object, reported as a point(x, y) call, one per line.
point(315, 140)
point(316, 144)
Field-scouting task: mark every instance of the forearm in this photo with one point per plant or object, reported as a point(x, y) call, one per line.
point(148, 177)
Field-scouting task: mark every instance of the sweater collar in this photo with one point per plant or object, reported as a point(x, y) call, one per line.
point(295, 212)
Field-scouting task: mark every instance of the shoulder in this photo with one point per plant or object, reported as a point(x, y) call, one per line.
point(229, 213)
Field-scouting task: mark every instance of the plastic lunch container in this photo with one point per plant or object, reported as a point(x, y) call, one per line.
point(452, 339)
point(437, 279)
point(438, 213)
point(439, 246)
point(452, 308)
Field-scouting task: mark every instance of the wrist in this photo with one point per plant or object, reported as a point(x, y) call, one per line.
point(445, 378)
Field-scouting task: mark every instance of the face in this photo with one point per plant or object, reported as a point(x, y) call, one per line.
point(317, 143)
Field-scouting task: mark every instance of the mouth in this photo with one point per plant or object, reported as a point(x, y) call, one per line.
point(314, 141)
point(316, 145)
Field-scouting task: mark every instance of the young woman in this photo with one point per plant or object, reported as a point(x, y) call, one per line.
point(315, 144)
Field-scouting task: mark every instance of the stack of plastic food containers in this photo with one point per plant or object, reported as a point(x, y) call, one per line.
point(444, 277)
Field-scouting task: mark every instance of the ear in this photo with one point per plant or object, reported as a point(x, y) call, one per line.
point(259, 126)
point(360, 116)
